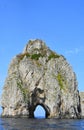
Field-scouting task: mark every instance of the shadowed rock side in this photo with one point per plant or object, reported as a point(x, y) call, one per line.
point(39, 76)
point(82, 103)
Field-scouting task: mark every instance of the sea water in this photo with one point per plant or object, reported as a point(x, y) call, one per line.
point(41, 124)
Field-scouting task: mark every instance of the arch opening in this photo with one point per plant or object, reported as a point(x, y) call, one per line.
point(40, 112)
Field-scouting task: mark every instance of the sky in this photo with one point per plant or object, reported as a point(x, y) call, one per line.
point(59, 23)
point(39, 112)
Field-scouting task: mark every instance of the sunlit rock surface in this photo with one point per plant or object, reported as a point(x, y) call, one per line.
point(39, 76)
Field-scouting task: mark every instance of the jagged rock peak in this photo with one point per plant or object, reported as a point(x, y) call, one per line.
point(35, 46)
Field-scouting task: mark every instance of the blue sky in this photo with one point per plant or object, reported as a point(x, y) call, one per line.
point(39, 112)
point(60, 23)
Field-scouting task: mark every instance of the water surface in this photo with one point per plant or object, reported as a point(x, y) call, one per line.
point(40, 124)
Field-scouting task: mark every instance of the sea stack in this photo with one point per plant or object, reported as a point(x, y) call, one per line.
point(40, 76)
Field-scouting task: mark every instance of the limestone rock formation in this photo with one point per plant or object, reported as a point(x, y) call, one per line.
point(82, 103)
point(39, 76)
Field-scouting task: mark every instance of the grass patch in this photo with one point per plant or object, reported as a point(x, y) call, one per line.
point(36, 56)
point(53, 55)
point(33, 56)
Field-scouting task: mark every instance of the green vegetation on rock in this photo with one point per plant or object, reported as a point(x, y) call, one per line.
point(24, 91)
point(53, 55)
point(36, 56)
point(60, 81)
point(33, 56)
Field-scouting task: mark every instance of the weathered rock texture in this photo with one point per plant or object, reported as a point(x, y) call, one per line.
point(39, 76)
point(82, 103)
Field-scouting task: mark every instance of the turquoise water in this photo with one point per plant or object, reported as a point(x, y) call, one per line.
point(40, 124)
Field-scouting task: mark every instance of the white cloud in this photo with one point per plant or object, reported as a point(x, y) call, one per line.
point(74, 51)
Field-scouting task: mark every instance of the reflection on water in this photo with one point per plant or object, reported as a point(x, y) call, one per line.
point(40, 124)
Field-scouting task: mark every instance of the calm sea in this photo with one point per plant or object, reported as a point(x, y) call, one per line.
point(40, 124)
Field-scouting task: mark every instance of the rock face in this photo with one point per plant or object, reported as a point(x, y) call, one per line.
point(39, 76)
point(82, 103)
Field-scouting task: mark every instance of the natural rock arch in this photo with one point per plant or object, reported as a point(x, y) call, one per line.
point(38, 98)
